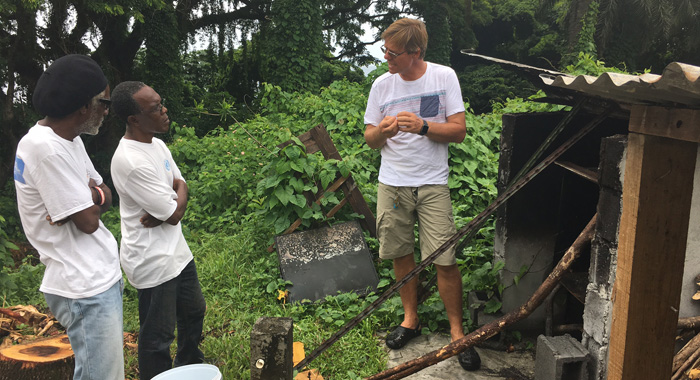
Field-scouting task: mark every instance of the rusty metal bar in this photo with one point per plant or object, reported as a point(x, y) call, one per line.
point(586, 173)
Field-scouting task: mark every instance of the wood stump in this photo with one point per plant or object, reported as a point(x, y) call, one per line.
point(44, 359)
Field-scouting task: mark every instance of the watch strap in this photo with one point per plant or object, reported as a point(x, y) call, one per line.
point(424, 130)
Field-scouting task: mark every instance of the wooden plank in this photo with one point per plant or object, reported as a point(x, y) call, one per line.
point(307, 140)
point(657, 191)
point(325, 144)
point(675, 123)
point(352, 193)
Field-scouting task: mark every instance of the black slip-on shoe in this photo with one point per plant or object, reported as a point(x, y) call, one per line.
point(400, 336)
point(469, 359)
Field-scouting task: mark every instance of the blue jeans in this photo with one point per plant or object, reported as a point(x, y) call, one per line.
point(176, 302)
point(95, 329)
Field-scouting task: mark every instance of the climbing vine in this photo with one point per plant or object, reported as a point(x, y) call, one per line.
point(294, 46)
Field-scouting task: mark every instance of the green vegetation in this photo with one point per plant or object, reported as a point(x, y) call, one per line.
point(244, 190)
point(268, 74)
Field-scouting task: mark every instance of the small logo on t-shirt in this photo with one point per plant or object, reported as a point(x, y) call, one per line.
point(167, 165)
point(19, 170)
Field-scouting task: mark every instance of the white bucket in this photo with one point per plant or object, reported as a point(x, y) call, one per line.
point(191, 372)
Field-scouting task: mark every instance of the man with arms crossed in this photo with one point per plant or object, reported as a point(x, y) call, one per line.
point(413, 112)
point(154, 253)
point(60, 197)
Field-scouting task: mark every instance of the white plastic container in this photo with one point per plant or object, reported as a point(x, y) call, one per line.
point(191, 372)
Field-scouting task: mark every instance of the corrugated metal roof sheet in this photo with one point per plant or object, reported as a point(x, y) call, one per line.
point(677, 86)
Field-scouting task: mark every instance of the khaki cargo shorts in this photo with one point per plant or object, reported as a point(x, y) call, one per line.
point(398, 208)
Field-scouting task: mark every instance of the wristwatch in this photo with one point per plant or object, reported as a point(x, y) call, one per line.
point(424, 130)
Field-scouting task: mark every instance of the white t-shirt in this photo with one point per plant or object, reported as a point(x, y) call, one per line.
point(409, 159)
point(51, 178)
point(143, 175)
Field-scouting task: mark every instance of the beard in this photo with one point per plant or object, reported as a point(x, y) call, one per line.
point(92, 125)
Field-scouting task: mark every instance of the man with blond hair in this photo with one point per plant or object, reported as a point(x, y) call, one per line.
point(413, 112)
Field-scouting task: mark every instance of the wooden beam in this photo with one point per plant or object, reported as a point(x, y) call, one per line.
point(349, 188)
point(657, 191)
point(675, 123)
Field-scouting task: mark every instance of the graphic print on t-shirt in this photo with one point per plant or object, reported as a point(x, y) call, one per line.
point(426, 105)
point(19, 170)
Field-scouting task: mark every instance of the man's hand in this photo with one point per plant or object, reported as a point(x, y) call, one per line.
point(376, 136)
point(149, 221)
point(57, 223)
point(409, 122)
point(388, 127)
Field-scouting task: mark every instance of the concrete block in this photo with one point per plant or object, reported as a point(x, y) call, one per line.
point(597, 315)
point(609, 212)
point(611, 167)
point(598, 358)
point(602, 256)
point(560, 358)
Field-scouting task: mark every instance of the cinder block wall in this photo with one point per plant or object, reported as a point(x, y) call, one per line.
point(540, 221)
point(597, 316)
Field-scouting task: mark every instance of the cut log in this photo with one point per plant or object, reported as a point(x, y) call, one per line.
point(45, 359)
point(689, 323)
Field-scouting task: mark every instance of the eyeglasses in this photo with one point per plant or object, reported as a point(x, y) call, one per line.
point(105, 102)
point(159, 107)
point(391, 53)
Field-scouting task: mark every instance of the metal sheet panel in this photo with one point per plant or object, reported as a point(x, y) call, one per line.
point(677, 86)
point(325, 261)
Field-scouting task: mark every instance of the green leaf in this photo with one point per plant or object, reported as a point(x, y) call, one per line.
point(344, 168)
point(298, 200)
point(284, 194)
point(326, 178)
point(491, 306)
point(281, 224)
point(271, 287)
point(10, 245)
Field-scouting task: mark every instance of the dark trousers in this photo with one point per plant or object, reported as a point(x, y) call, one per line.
point(175, 302)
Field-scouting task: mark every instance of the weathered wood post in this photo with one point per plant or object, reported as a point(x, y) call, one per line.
point(656, 197)
point(271, 349)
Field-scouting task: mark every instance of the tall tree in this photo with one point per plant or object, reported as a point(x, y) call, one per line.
point(294, 45)
point(434, 14)
point(114, 31)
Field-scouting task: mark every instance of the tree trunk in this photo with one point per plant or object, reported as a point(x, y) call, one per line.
point(577, 12)
point(45, 359)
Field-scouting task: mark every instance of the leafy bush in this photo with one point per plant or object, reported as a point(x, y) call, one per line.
point(19, 281)
point(292, 176)
point(6, 259)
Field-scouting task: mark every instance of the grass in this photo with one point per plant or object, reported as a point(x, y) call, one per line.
point(240, 280)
